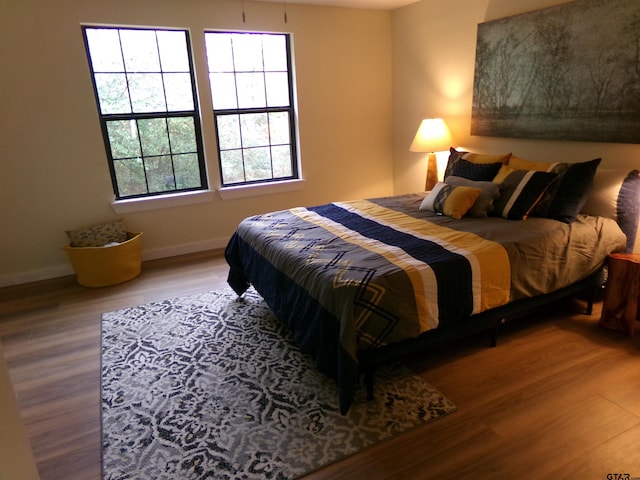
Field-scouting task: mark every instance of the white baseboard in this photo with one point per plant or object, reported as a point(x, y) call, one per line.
point(56, 271)
point(184, 249)
point(45, 273)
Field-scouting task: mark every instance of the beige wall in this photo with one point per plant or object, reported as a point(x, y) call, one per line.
point(53, 170)
point(365, 79)
point(433, 66)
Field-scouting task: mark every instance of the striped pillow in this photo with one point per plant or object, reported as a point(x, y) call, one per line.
point(521, 190)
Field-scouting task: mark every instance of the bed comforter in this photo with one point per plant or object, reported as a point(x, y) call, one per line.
point(352, 276)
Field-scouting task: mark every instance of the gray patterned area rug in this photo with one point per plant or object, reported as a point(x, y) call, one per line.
point(211, 386)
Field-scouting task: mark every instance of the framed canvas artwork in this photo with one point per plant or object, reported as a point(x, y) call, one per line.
point(568, 72)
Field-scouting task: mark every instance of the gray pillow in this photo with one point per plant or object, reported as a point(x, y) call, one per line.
point(484, 204)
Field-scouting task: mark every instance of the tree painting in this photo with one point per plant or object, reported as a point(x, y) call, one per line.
point(569, 72)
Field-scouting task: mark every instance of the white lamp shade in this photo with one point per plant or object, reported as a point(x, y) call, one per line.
point(432, 136)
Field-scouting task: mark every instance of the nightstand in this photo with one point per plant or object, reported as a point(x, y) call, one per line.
point(620, 310)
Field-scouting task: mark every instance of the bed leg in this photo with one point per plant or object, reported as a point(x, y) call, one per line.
point(493, 337)
point(493, 333)
point(368, 384)
point(590, 300)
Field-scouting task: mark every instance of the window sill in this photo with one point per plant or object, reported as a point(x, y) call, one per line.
point(241, 191)
point(134, 205)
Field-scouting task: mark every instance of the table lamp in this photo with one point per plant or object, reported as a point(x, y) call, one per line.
point(432, 136)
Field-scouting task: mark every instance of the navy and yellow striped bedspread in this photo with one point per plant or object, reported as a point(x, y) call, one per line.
point(350, 276)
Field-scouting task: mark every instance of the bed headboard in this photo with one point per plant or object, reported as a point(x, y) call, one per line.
point(616, 194)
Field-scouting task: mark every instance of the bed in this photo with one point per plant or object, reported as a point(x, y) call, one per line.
point(361, 283)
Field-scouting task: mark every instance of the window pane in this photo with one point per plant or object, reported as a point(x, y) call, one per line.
point(141, 76)
point(279, 127)
point(231, 165)
point(140, 50)
point(154, 136)
point(275, 53)
point(281, 161)
point(123, 137)
point(182, 133)
point(174, 56)
point(247, 52)
point(277, 89)
point(255, 130)
point(147, 93)
point(229, 132)
point(219, 54)
point(113, 94)
point(104, 45)
point(178, 90)
point(223, 90)
point(257, 163)
point(130, 177)
point(251, 90)
point(160, 174)
point(187, 171)
point(249, 72)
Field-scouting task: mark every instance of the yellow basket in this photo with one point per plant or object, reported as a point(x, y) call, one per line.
point(103, 266)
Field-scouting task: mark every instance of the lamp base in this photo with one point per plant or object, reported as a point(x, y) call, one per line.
point(432, 172)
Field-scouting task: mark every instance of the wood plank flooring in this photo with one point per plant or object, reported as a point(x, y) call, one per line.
point(558, 398)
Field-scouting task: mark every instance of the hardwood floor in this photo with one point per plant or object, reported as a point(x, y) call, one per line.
point(558, 398)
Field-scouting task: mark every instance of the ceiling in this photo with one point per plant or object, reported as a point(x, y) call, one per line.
point(371, 4)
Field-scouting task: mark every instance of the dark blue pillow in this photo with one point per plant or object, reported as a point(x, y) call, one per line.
point(454, 158)
point(478, 172)
point(573, 191)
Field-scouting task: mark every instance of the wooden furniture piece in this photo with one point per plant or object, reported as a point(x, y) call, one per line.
point(622, 294)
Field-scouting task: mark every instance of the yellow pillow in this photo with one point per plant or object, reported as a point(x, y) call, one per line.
point(518, 163)
point(459, 201)
point(503, 173)
point(484, 158)
point(452, 201)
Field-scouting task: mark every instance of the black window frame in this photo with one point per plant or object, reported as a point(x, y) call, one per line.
point(194, 114)
point(291, 110)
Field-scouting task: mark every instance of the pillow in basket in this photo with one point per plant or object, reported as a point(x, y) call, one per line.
point(98, 235)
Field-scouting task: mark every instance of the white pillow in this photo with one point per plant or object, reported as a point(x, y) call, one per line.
point(427, 203)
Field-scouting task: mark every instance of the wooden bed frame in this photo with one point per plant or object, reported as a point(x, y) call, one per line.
point(490, 321)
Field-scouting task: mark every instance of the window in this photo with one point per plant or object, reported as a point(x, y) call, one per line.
point(147, 102)
point(251, 84)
